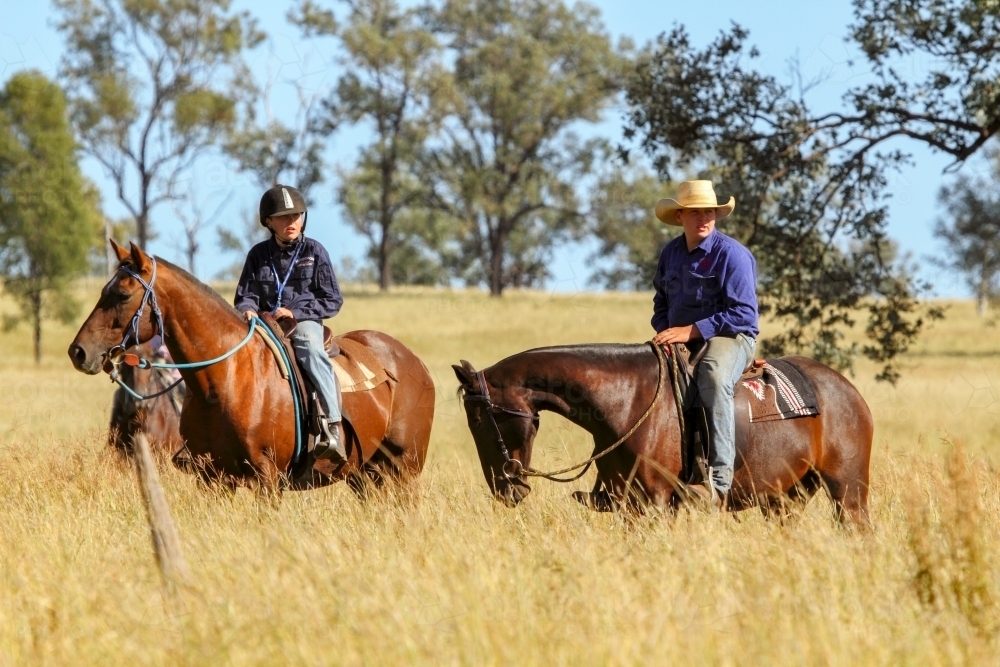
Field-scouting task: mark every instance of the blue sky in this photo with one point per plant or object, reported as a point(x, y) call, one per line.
point(781, 30)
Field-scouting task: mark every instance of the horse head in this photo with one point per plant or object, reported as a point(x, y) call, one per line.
point(503, 425)
point(108, 324)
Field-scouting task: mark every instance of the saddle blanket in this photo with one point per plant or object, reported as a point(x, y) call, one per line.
point(780, 392)
point(357, 368)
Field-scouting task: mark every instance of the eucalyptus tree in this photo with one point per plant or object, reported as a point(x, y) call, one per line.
point(505, 165)
point(49, 213)
point(629, 235)
point(811, 185)
point(152, 86)
point(392, 77)
point(969, 229)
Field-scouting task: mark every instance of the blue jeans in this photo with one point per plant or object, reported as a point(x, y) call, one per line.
point(307, 341)
point(716, 377)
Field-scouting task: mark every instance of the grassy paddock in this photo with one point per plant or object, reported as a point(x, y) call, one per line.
point(442, 574)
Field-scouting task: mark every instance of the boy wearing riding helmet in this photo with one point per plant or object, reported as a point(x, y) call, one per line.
point(290, 275)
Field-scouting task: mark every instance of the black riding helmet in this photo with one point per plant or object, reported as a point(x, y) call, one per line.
point(282, 200)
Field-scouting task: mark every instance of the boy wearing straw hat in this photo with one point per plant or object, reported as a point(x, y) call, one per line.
point(706, 289)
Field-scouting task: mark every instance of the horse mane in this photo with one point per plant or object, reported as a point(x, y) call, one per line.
point(588, 352)
point(199, 285)
point(592, 350)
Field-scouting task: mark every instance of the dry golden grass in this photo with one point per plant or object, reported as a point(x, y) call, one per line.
point(441, 574)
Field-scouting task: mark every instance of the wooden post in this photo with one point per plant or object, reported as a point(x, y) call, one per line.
point(166, 541)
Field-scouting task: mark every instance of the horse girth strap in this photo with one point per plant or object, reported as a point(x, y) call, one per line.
point(513, 468)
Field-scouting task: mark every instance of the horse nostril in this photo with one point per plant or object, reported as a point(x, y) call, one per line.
point(77, 354)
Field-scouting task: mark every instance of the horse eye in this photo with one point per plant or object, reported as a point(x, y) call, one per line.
point(117, 296)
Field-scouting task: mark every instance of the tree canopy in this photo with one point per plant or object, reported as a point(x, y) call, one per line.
point(504, 167)
point(152, 84)
point(49, 219)
point(811, 185)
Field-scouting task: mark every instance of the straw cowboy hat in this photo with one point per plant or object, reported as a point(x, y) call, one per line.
point(692, 194)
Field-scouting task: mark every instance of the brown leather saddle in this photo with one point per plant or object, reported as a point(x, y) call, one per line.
point(694, 453)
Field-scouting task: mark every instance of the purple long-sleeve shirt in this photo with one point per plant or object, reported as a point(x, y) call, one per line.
point(712, 286)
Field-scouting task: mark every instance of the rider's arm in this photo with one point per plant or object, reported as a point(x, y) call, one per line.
point(247, 295)
point(661, 305)
point(738, 274)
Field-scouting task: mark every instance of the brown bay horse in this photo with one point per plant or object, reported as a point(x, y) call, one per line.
point(238, 419)
point(606, 389)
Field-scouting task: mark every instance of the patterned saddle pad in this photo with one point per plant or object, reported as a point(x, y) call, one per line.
point(356, 367)
point(779, 391)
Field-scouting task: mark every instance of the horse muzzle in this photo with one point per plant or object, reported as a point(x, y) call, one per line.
point(510, 491)
point(86, 362)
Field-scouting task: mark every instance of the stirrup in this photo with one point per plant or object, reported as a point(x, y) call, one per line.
point(329, 444)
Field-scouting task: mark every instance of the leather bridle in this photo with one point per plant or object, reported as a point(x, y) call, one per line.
point(512, 468)
point(149, 296)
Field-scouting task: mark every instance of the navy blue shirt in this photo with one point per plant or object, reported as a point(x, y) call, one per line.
point(712, 286)
point(311, 292)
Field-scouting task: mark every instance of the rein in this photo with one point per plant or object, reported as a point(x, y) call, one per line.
point(512, 468)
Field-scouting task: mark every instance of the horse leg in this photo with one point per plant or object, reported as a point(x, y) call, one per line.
point(792, 501)
point(850, 499)
point(267, 477)
point(598, 500)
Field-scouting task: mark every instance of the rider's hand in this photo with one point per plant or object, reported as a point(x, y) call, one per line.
point(677, 335)
point(249, 315)
point(282, 313)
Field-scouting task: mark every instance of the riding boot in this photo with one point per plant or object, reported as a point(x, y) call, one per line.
point(330, 441)
point(705, 496)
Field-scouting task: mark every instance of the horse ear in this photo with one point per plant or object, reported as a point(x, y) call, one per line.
point(464, 377)
point(121, 253)
point(140, 260)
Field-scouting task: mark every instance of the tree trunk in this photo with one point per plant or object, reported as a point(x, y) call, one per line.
point(142, 229)
point(36, 318)
point(384, 266)
point(496, 266)
point(109, 253)
point(192, 249)
point(982, 294)
point(385, 221)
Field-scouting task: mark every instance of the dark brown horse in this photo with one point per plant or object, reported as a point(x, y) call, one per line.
point(158, 417)
point(238, 419)
point(606, 389)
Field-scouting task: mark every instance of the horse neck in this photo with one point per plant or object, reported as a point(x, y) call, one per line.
point(592, 392)
point(196, 326)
